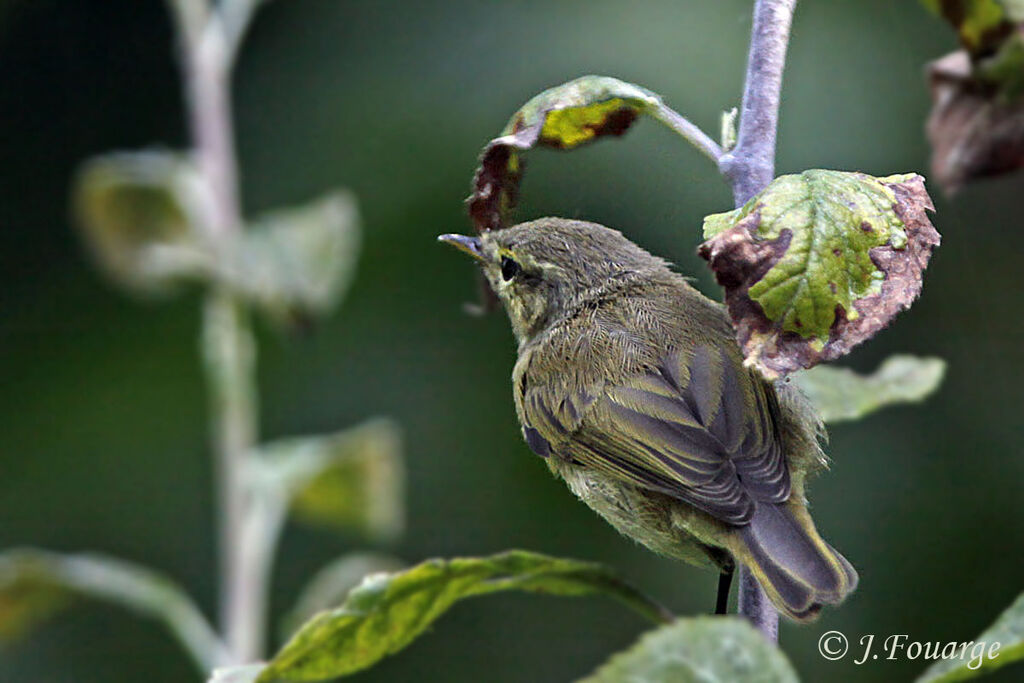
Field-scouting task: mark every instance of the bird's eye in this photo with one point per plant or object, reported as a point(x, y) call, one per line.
point(509, 268)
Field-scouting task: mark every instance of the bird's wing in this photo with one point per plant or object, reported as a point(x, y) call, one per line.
point(698, 428)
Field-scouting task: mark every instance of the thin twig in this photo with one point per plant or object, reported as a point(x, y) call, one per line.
point(694, 135)
point(750, 166)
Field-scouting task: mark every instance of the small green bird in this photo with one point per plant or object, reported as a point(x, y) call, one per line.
point(631, 386)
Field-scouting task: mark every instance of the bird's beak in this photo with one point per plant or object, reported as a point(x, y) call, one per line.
point(470, 245)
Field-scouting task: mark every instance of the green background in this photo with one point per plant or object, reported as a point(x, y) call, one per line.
point(102, 431)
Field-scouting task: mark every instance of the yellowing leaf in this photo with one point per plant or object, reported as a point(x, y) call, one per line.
point(563, 117)
point(818, 262)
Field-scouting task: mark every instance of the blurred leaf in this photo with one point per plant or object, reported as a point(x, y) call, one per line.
point(1008, 631)
point(36, 583)
point(563, 117)
point(331, 584)
point(353, 480)
point(246, 673)
point(841, 394)
point(976, 127)
point(299, 261)
point(701, 649)
point(137, 211)
point(818, 262)
point(981, 24)
point(388, 611)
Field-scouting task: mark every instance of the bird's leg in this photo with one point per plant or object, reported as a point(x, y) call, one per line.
point(724, 584)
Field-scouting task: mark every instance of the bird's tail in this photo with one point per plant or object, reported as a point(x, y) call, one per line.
point(799, 571)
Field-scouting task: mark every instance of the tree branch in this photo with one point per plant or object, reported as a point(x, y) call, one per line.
point(750, 166)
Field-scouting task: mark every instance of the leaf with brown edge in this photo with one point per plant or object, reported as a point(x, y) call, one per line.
point(818, 262)
point(563, 117)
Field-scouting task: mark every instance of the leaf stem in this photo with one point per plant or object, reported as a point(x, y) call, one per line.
point(691, 133)
point(749, 167)
point(209, 37)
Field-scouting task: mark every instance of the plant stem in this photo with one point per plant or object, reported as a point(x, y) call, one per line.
point(208, 42)
point(691, 133)
point(229, 353)
point(750, 166)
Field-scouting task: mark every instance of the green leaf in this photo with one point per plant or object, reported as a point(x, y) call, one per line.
point(388, 611)
point(34, 584)
point(297, 262)
point(1007, 631)
point(563, 117)
point(352, 480)
point(138, 214)
point(840, 394)
point(331, 584)
point(699, 650)
point(818, 262)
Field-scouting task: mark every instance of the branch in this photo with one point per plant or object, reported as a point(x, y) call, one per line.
point(209, 39)
point(750, 166)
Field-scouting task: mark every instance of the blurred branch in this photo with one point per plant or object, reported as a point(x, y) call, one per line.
point(237, 15)
point(247, 536)
point(190, 17)
point(750, 166)
point(140, 590)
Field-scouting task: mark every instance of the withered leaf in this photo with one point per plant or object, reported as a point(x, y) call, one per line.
point(819, 262)
point(562, 117)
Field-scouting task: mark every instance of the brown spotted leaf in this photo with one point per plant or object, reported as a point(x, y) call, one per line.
point(563, 117)
point(818, 262)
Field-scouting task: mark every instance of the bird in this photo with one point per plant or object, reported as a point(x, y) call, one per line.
point(630, 385)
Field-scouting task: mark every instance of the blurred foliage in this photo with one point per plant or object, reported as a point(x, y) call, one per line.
point(1007, 631)
point(840, 394)
point(101, 406)
point(353, 480)
point(34, 584)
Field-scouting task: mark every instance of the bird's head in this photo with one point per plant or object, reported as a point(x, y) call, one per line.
point(547, 268)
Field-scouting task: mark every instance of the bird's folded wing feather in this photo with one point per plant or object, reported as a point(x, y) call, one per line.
point(698, 428)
